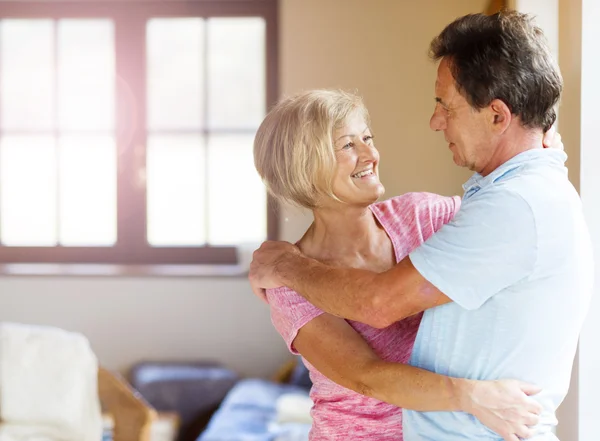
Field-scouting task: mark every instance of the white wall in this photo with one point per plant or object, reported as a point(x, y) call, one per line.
point(378, 47)
point(569, 126)
point(585, 415)
point(134, 319)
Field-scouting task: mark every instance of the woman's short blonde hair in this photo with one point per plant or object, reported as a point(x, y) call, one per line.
point(293, 149)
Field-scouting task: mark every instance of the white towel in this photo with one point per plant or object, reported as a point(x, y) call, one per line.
point(16, 432)
point(48, 380)
point(293, 408)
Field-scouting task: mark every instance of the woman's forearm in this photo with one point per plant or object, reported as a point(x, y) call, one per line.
point(337, 351)
point(341, 354)
point(413, 388)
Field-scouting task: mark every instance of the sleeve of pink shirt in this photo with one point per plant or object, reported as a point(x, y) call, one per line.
point(436, 211)
point(412, 218)
point(289, 313)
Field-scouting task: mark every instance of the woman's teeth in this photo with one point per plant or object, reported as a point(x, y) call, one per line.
point(363, 173)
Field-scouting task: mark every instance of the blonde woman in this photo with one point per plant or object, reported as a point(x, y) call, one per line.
point(316, 150)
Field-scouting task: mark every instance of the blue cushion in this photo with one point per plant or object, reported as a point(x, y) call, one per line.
point(248, 410)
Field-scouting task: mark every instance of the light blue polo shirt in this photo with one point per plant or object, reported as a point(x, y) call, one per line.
point(517, 263)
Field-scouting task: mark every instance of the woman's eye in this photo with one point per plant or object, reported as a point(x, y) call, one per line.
point(348, 146)
point(368, 139)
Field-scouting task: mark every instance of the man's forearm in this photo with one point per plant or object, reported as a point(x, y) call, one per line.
point(343, 292)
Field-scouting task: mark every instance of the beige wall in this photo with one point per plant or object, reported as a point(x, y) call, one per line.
point(381, 51)
point(378, 47)
point(569, 28)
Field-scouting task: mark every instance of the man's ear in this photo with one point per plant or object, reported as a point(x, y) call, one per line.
point(501, 115)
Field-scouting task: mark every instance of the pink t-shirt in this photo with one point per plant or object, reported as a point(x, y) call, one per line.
point(339, 413)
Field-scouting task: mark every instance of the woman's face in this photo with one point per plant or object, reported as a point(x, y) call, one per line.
point(356, 180)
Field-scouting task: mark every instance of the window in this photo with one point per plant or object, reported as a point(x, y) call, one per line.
point(126, 130)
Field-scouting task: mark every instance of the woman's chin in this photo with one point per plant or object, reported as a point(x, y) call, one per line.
point(364, 197)
point(376, 195)
point(376, 191)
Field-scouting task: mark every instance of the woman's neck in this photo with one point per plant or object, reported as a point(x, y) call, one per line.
point(348, 235)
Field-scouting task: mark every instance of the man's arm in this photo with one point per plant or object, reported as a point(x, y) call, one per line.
point(376, 299)
point(489, 245)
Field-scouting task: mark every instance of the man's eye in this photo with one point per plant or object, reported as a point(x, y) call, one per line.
point(443, 107)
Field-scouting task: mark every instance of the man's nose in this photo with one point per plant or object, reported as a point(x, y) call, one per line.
point(437, 121)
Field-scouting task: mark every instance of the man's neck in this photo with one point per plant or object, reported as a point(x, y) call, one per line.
point(514, 141)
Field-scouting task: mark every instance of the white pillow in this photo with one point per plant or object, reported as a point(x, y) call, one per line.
point(294, 408)
point(49, 378)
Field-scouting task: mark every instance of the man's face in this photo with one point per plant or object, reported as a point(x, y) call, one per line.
point(467, 130)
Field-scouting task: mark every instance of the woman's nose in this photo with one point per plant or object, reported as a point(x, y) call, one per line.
point(368, 153)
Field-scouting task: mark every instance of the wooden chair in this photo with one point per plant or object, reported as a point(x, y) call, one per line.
point(132, 415)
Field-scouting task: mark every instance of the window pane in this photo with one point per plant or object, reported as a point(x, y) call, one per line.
point(236, 72)
point(175, 75)
point(237, 197)
point(175, 173)
point(26, 74)
point(88, 193)
point(28, 191)
point(86, 74)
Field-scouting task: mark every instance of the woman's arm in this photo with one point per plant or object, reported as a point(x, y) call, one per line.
point(335, 349)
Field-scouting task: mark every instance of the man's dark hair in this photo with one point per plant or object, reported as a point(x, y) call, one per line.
point(502, 56)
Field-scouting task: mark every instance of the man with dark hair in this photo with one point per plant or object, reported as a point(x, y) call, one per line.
point(504, 57)
point(506, 285)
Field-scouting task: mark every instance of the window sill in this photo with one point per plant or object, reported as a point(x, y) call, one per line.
point(109, 270)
